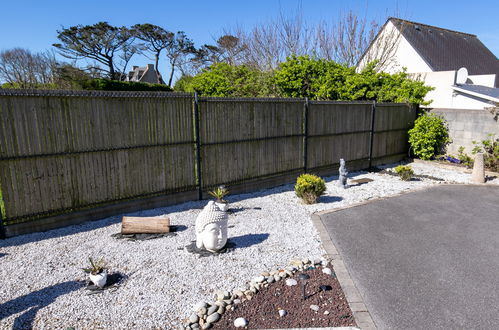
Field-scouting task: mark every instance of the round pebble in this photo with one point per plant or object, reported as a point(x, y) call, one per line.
point(240, 322)
point(314, 307)
point(213, 318)
point(291, 282)
point(327, 271)
point(282, 313)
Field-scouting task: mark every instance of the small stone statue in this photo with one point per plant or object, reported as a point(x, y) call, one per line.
point(211, 228)
point(342, 180)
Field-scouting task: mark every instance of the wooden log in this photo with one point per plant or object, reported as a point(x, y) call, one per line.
point(145, 225)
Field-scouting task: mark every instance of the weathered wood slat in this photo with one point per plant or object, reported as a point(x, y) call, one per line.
point(145, 225)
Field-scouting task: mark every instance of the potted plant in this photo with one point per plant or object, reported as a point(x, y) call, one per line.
point(219, 193)
point(96, 272)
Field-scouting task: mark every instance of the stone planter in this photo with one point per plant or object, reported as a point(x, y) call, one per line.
point(99, 279)
point(222, 206)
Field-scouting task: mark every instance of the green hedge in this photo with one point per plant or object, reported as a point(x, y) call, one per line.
point(115, 85)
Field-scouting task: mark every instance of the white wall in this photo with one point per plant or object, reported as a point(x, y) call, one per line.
point(442, 94)
point(483, 79)
point(403, 55)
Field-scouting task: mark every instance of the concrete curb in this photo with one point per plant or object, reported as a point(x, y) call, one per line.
point(360, 313)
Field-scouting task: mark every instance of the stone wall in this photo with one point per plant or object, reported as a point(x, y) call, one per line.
point(466, 126)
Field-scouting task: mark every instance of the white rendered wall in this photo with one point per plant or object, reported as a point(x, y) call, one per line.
point(483, 79)
point(404, 55)
point(442, 82)
point(463, 101)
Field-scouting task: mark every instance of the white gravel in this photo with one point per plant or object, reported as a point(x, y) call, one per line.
point(40, 274)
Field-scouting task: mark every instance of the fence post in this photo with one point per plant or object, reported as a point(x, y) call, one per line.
point(2, 215)
point(305, 134)
point(371, 135)
point(198, 147)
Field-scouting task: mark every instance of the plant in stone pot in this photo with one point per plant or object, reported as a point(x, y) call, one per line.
point(219, 193)
point(309, 187)
point(97, 272)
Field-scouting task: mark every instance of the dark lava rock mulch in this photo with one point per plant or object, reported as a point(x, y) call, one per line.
point(192, 248)
point(262, 312)
point(145, 237)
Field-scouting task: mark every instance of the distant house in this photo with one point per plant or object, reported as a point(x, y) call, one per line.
point(463, 71)
point(145, 74)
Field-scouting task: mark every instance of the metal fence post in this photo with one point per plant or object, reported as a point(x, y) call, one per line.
point(198, 147)
point(305, 134)
point(371, 135)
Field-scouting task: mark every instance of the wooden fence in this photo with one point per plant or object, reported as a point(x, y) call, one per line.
point(71, 156)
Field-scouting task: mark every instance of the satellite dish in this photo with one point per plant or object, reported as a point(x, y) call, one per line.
point(461, 76)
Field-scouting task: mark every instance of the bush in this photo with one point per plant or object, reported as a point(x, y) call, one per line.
point(309, 187)
point(429, 136)
point(405, 172)
point(490, 149)
point(116, 85)
point(464, 158)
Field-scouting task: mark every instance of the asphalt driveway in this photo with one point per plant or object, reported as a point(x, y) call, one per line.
point(424, 260)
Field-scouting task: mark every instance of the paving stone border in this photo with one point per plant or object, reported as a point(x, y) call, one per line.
point(360, 313)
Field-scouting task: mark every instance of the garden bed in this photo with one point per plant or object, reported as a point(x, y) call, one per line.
point(43, 285)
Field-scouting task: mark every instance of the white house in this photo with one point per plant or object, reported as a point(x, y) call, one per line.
point(463, 71)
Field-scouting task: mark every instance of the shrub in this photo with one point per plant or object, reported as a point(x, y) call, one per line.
point(428, 136)
point(309, 187)
point(490, 149)
point(405, 172)
point(116, 85)
point(464, 158)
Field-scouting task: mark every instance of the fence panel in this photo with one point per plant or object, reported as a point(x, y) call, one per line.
point(246, 139)
point(391, 124)
point(60, 153)
point(338, 130)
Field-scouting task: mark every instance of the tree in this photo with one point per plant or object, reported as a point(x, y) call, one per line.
point(100, 42)
point(320, 79)
point(179, 53)
point(23, 69)
point(156, 39)
point(226, 80)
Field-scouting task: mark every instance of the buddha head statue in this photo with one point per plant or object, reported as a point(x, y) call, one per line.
point(211, 228)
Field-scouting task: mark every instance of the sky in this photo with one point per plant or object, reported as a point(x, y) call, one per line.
point(33, 24)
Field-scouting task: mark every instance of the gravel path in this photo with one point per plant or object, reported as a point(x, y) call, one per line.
point(41, 281)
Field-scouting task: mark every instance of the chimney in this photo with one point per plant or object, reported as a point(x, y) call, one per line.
point(135, 67)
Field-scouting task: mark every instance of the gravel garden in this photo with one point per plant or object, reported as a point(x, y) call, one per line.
point(159, 281)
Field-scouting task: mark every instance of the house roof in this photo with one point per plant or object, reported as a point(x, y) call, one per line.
point(485, 92)
point(446, 50)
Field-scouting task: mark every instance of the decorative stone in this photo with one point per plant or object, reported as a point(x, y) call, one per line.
point(220, 303)
point(212, 309)
point(202, 311)
point(314, 308)
point(221, 310)
point(305, 261)
point(326, 312)
point(327, 271)
point(265, 274)
point(296, 262)
point(270, 279)
point(240, 322)
point(282, 313)
point(213, 318)
point(259, 279)
point(478, 174)
point(277, 278)
point(237, 301)
point(238, 293)
point(193, 318)
point(199, 305)
point(211, 228)
point(342, 180)
point(317, 261)
point(291, 282)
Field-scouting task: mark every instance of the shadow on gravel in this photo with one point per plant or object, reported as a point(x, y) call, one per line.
point(248, 240)
point(31, 303)
point(330, 199)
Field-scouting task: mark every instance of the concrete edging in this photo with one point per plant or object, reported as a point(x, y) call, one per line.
point(360, 313)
